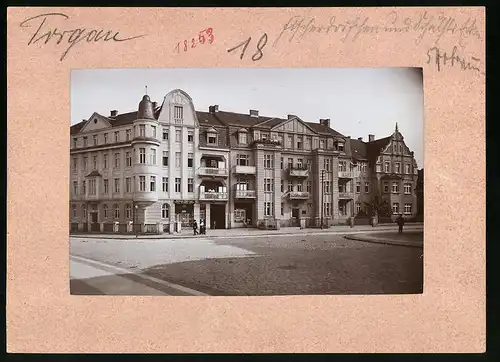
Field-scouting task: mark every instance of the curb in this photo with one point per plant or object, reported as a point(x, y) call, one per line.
point(382, 241)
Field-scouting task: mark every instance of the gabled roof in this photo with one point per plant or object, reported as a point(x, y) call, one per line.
point(373, 148)
point(358, 149)
point(322, 129)
point(208, 119)
point(238, 119)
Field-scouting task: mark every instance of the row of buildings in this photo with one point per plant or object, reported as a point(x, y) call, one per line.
point(169, 162)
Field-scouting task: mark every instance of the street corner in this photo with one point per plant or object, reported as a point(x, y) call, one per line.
point(412, 238)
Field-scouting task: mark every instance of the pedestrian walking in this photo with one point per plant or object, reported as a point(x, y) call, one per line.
point(202, 227)
point(400, 221)
point(195, 227)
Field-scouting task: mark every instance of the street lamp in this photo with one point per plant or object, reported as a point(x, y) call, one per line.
point(321, 193)
point(134, 224)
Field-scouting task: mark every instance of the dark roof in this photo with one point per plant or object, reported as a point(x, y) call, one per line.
point(358, 149)
point(238, 119)
point(77, 127)
point(373, 148)
point(208, 119)
point(318, 127)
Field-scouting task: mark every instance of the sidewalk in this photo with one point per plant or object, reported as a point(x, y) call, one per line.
point(252, 232)
point(412, 238)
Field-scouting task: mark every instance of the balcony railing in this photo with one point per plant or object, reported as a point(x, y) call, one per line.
point(245, 194)
point(345, 195)
point(244, 170)
point(213, 195)
point(298, 171)
point(298, 195)
point(348, 174)
point(212, 171)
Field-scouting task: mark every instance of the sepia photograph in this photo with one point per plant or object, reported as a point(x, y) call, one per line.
point(246, 182)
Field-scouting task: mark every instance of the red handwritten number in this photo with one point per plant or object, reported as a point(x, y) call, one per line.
point(210, 33)
point(260, 45)
point(185, 45)
point(177, 47)
point(201, 37)
point(193, 43)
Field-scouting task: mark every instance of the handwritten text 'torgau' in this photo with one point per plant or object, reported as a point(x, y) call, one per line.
point(69, 37)
point(442, 58)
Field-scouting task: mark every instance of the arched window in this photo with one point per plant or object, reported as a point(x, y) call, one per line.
point(73, 210)
point(128, 211)
point(105, 211)
point(116, 211)
point(165, 211)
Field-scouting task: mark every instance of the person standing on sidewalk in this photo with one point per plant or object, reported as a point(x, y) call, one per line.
point(202, 227)
point(400, 221)
point(195, 227)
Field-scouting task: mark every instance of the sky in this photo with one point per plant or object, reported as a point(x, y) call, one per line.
point(358, 101)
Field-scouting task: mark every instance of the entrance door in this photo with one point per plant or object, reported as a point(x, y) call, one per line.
point(94, 225)
point(217, 216)
point(295, 217)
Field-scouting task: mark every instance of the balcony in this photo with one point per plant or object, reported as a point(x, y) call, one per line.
point(245, 194)
point(298, 171)
point(346, 195)
point(212, 171)
point(213, 196)
point(298, 195)
point(348, 174)
point(244, 170)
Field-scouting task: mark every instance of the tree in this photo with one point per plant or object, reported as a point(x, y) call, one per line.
point(378, 207)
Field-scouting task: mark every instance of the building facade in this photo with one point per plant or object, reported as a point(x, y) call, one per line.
point(169, 163)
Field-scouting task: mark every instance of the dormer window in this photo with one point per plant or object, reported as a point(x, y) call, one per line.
point(242, 136)
point(340, 147)
point(212, 137)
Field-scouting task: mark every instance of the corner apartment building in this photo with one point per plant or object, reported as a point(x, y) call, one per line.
point(169, 162)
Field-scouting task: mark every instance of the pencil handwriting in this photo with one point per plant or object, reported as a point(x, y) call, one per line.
point(442, 58)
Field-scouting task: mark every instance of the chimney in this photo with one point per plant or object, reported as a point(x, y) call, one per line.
point(290, 116)
point(325, 122)
point(113, 113)
point(155, 104)
point(360, 138)
point(213, 109)
point(371, 137)
point(254, 113)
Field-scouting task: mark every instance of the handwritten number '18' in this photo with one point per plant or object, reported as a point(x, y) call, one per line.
point(258, 53)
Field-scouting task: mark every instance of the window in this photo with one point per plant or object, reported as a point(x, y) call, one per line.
point(152, 183)
point(75, 188)
point(84, 188)
point(73, 210)
point(268, 209)
point(290, 185)
point(281, 163)
point(386, 187)
point(282, 186)
point(94, 138)
point(178, 114)
point(177, 184)
point(309, 163)
point(153, 131)
point(299, 143)
point(128, 134)
point(190, 160)
point(378, 168)
point(326, 164)
point(85, 161)
point(211, 138)
point(300, 186)
point(164, 211)
point(142, 155)
point(299, 163)
point(142, 130)
point(407, 208)
point(178, 135)
point(290, 142)
point(165, 135)
point(315, 141)
point(342, 166)
point(322, 144)
point(165, 184)
point(395, 188)
point(75, 142)
point(340, 147)
point(142, 183)
point(242, 138)
point(128, 184)
point(358, 207)
point(326, 209)
point(106, 186)
point(342, 209)
point(358, 187)
point(387, 167)
point(242, 184)
point(165, 158)
point(367, 187)
point(105, 159)
point(152, 157)
point(116, 211)
point(105, 211)
point(309, 186)
point(242, 160)
point(94, 162)
point(327, 187)
point(190, 185)
point(85, 143)
point(84, 212)
point(268, 161)
point(290, 163)
point(307, 143)
point(282, 209)
point(398, 167)
point(105, 138)
point(117, 160)
point(395, 208)
point(177, 159)
point(190, 137)
point(128, 211)
point(92, 187)
point(117, 136)
point(268, 185)
point(407, 169)
point(129, 159)
point(117, 185)
point(75, 164)
point(407, 188)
